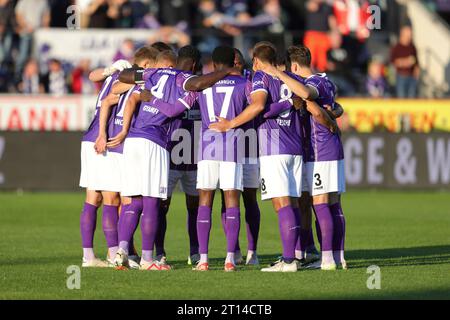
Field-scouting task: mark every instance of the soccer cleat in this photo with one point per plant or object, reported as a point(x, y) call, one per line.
point(276, 261)
point(121, 259)
point(204, 266)
point(133, 261)
point(252, 260)
point(343, 265)
point(323, 266)
point(238, 259)
point(312, 256)
point(110, 262)
point(229, 267)
point(282, 266)
point(153, 266)
point(193, 259)
point(94, 263)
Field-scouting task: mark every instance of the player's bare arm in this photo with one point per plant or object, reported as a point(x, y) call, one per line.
point(336, 111)
point(120, 87)
point(258, 99)
point(205, 81)
point(320, 115)
point(101, 74)
point(105, 111)
point(128, 112)
point(305, 92)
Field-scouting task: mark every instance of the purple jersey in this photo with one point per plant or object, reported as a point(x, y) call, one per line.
point(276, 135)
point(226, 99)
point(150, 123)
point(92, 132)
point(115, 123)
point(325, 145)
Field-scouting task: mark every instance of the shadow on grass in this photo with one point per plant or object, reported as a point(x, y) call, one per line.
point(412, 256)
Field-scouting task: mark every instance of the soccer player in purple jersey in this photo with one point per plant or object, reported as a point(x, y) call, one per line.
point(279, 150)
point(325, 162)
point(146, 158)
point(250, 169)
point(111, 124)
point(98, 176)
point(220, 154)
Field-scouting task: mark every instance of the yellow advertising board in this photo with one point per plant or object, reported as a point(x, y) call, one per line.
point(367, 115)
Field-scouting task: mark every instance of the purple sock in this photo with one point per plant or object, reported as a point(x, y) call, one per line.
point(339, 227)
point(289, 232)
point(233, 216)
point(149, 222)
point(128, 222)
point(223, 216)
point(252, 219)
point(326, 226)
point(192, 230)
point(161, 233)
point(298, 244)
point(88, 222)
point(110, 219)
point(203, 228)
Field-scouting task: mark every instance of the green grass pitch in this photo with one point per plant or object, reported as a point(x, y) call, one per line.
point(406, 234)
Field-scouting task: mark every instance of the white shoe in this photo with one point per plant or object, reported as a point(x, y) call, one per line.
point(94, 263)
point(238, 259)
point(282, 266)
point(154, 265)
point(252, 260)
point(194, 259)
point(110, 262)
point(121, 259)
point(323, 266)
point(343, 265)
point(133, 261)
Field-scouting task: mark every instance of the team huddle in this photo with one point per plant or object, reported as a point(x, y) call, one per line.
point(159, 121)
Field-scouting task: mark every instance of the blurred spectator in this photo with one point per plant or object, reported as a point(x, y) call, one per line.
point(31, 81)
point(404, 59)
point(376, 84)
point(126, 51)
point(122, 13)
point(319, 22)
point(80, 78)
point(339, 65)
point(30, 15)
point(171, 36)
point(58, 12)
point(54, 81)
point(7, 26)
point(351, 17)
point(100, 14)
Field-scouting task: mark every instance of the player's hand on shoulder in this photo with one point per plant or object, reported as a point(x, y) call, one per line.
point(222, 125)
point(270, 70)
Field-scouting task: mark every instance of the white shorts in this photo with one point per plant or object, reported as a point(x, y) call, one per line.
point(146, 169)
point(226, 175)
point(325, 177)
point(100, 172)
point(281, 176)
point(251, 173)
point(188, 182)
